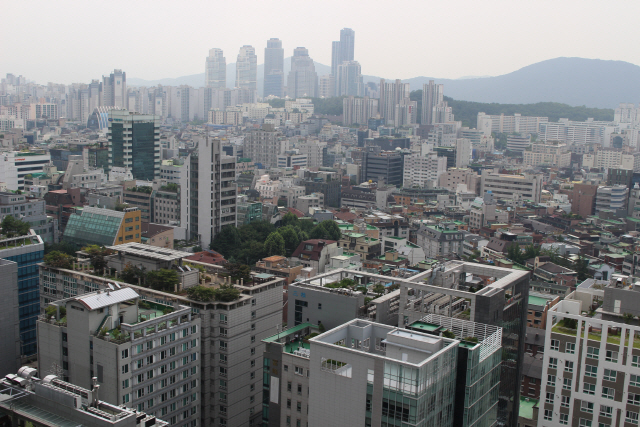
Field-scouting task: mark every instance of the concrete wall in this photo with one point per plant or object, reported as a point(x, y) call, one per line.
point(334, 309)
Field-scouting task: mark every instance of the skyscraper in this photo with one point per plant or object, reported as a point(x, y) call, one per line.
point(432, 95)
point(335, 58)
point(392, 94)
point(273, 68)
point(114, 90)
point(349, 79)
point(134, 143)
point(303, 79)
point(215, 69)
point(247, 68)
point(340, 52)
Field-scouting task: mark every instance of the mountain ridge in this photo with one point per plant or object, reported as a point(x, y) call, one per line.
point(568, 80)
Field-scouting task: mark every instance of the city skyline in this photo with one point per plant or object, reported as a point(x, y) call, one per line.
point(479, 52)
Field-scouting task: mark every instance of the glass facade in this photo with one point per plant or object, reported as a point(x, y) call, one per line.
point(143, 151)
point(92, 229)
point(117, 144)
point(28, 295)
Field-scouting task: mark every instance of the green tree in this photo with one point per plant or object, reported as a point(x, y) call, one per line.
point(531, 252)
point(58, 260)
point(131, 273)
point(291, 237)
point(227, 293)
point(97, 256)
point(290, 219)
point(238, 271)
point(581, 267)
point(274, 245)
point(326, 230)
point(163, 279)
point(226, 241)
point(64, 247)
point(201, 293)
point(515, 253)
point(378, 289)
point(12, 227)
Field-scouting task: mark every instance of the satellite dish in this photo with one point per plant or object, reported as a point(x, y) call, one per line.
point(111, 286)
point(118, 286)
point(180, 268)
point(187, 267)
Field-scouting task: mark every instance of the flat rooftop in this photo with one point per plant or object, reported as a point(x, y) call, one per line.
point(150, 252)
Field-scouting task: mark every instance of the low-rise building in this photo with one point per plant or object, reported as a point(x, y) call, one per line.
point(315, 253)
point(367, 247)
point(440, 240)
point(103, 227)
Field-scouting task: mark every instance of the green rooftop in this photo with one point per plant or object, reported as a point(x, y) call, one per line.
point(526, 407)
point(429, 327)
point(534, 300)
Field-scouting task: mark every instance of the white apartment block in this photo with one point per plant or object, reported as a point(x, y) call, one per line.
point(143, 357)
point(517, 123)
point(512, 187)
point(422, 171)
point(591, 367)
point(612, 159)
point(550, 154)
point(314, 151)
point(627, 113)
point(358, 110)
point(570, 132)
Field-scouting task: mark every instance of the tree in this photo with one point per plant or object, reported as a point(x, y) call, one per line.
point(291, 237)
point(530, 252)
point(12, 227)
point(274, 245)
point(58, 260)
point(290, 219)
point(326, 230)
point(131, 273)
point(515, 253)
point(238, 271)
point(64, 247)
point(378, 289)
point(581, 267)
point(163, 279)
point(201, 293)
point(227, 293)
point(226, 241)
point(97, 256)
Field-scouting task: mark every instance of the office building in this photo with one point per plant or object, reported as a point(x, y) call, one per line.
point(31, 401)
point(26, 251)
point(423, 171)
point(247, 68)
point(273, 68)
point(358, 110)
point(144, 355)
point(212, 191)
point(31, 210)
point(302, 80)
point(114, 91)
point(326, 86)
point(383, 167)
point(432, 96)
point(215, 69)
point(16, 165)
point(612, 158)
point(554, 154)
point(349, 79)
point(454, 177)
point(518, 143)
point(517, 123)
point(342, 51)
point(103, 227)
point(512, 187)
point(583, 202)
point(232, 333)
point(612, 198)
point(10, 356)
point(134, 143)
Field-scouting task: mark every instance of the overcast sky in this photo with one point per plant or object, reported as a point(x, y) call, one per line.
point(67, 41)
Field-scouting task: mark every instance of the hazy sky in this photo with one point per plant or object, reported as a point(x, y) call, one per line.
point(75, 41)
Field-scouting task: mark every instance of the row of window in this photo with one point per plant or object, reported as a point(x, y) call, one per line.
point(630, 417)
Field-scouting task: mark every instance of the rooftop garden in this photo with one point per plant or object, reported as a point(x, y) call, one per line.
point(568, 326)
point(146, 190)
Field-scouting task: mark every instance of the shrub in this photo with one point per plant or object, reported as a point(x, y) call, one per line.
point(448, 334)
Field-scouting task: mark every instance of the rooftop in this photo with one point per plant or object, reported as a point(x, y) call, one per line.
point(151, 252)
point(97, 300)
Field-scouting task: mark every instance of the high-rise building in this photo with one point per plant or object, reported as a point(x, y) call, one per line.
point(432, 95)
point(335, 58)
point(273, 68)
point(114, 90)
point(10, 334)
point(303, 79)
point(145, 356)
point(349, 79)
point(247, 68)
point(392, 94)
point(517, 123)
point(212, 191)
point(512, 187)
point(342, 51)
point(423, 171)
point(383, 167)
point(215, 72)
point(358, 110)
point(326, 86)
point(263, 146)
point(134, 143)
point(26, 251)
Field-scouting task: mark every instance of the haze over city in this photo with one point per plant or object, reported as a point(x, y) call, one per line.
point(403, 39)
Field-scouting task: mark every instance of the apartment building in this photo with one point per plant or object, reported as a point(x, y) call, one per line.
point(440, 240)
point(590, 369)
point(517, 123)
point(232, 334)
point(145, 355)
point(550, 154)
point(456, 176)
point(512, 187)
point(613, 198)
point(612, 159)
point(264, 145)
point(423, 171)
point(31, 210)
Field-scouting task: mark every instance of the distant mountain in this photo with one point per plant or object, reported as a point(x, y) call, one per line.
point(572, 81)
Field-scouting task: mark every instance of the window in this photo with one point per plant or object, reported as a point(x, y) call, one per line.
point(125, 384)
point(125, 369)
point(635, 361)
point(253, 363)
point(300, 389)
point(125, 353)
point(610, 374)
point(633, 399)
point(631, 417)
point(586, 407)
point(549, 398)
point(555, 345)
point(548, 414)
point(591, 371)
point(289, 403)
point(565, 401)
point(125, 398)
point(298, 370)
point(289, 386)
point(551, 379)
point(253, 326)
point(253, 351)
point(584, 422)
point(568, 366)
point(611, 356)
point(253, 314)
point(564, 419)
point(299, 406)
point(553, 363)
point(589, 388)
point(606, 411)
point(252, 375)
point(570, 348)
point(608, 393)
point(634, 380)
point(593, 352)
point(253, 338)
point(566, 384)
point(286, 368)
